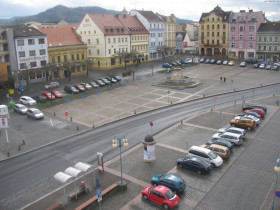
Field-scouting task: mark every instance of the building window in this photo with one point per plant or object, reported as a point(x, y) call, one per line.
point(20, 42)
point(232, 28)
point(241, 37)
point(65, 58)
point(233, 45)
point(83, 56)
point(251, 54)
point(213, 42)
point(251, 45)
point(114, 40)
point(264, 48)
point(31, 42)
point(109, 40)
point(260, 39)
point(264, 39)
point(41, 41)
point(224, 26)
point(125, 39)
point(43, 52)
point(218, 42)
point(218, 26)
point(33, 64)
point(269, 48)
point(58, 59)
point(213, 26)
point(208, 27)
point(202, 27)
point(208, 34)
point(213, 34)
point(251, 36)
point(241, 28)
point(53, 60)
point(97, 52)
point(32, 53)
point(22, 65)
point(251, 28)
point(241, 45)
point(218, 34)
point(88, 41)
point(89, 51)
point(72, 57)
point(275, 48)
point(43, 63)
point(270, 39)
point(109, 51)
point(276, 39)
point(97, 41)
point(78, 56)
point(260, 48)
point(232, 37)
point(21, 54)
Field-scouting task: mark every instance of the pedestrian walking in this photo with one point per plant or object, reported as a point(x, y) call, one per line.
point(221, 78)
point(224, 79)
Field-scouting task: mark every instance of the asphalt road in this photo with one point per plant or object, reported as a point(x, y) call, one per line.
point(40, 164)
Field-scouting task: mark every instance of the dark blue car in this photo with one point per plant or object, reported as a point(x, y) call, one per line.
point(173, 182)
point(195, 164)
point(166, 65)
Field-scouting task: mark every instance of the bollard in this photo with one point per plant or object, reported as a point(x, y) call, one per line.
point(171, 102)
point(19, 148)
point(97, 182)
point(71, 119)
point(77, 128)
point(53, 113)
point(93, 126)
point(8, 154)
point(23, 142)
point(211, 110)
point(181, 122)
point(261, 84)
point(203, 95)
point(135, 112)
point(234, 90)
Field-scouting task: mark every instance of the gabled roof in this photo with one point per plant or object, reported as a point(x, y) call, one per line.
point(166, 18)
point(25, 31)
point(61, 37)
point(269, 27)
point(118, 24)
point(243, 16)
point(217, 10)
point(150, 16)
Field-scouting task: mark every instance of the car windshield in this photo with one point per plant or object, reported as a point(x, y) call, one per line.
point(73, 89)
point(170, 195)
point(48, 94)
point(181, 182)
point(162, 176)
point(29, 99)
point(36, 111)
point(80, 86)
point(212, 155)
point(204, 162)
point(22, 107)
point(56, 92)
point(151, 188)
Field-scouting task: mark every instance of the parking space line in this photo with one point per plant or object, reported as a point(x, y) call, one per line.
point(199, 126)
point(133, 202)
point(173, 148)
point(254, 170)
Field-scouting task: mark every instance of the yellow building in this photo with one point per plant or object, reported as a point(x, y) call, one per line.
point(114, 40)
point(213, 33)
point(67, 53)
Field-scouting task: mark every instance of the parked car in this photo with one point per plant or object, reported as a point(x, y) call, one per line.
point(274, 67)
point(258, 111)
point(86, 85)
point(112, 79)
point(94, 84)
point(207, 60)
point(213, 61)
point(277, 64)
point(202, 60)
point(222, 142)
point(166, 65)
point(256, 65)
point(20, 108)
point(243, 64)
point(268, 67)
point(234, 138)
point(70, 89)
point(262, 66)
point(222, 151)
point(100, 83)
point(27, 100)
point(80, 88)
point(48, 95)
point(209, 156)
point(35, 113)
point(117, 78)
point(239, 131)
point(52, 85)
point(231, 63)
point(252, 61)
point(257, 120)
point(107, 82)
point(249, 107)
point(252, 114)
point(195, 164)
point(174, 183)
point(161, 195)
point(243, 123)
point(56, 93)
point(219, 62)
point(225, 62)
point(40, 99)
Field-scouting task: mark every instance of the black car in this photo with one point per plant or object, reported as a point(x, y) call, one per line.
point(40, 99)
point(256, 65)
point(195, 164)
point(249, 107)
point(213, 61)
point(106, 81)
point(111, 79)
point(70, 89)
point(117, 78)
point(100, 83)
point(222, 142)
point(219, 62)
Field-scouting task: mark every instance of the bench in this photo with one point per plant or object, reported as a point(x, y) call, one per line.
point(56, 206)
point(79, 193)
point(95, 198)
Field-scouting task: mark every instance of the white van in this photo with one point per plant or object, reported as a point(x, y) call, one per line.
point(214, 159)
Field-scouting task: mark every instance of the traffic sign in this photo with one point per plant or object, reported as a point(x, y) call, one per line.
point(66, 114)
point(277, 193)
point(151, 124)
point(99, 195)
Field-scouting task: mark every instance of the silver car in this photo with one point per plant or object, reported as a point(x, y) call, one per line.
point(35, 113)
point(20, 108)
point(239, 131)
point(257, 120)
point(234, 138)
point(27, 100)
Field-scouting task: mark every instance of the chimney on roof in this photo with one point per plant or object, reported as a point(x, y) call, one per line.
point(250, 10)
point(242, 10)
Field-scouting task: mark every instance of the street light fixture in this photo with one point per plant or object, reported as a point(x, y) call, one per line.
point(277, 170)
point(120, 141)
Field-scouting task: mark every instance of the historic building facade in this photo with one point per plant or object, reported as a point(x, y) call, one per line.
point(213, 33)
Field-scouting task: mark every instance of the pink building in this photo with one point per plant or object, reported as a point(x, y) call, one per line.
point(243, 27)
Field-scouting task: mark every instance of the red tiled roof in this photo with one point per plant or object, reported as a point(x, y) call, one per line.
point(118, 24)
point(61, 37)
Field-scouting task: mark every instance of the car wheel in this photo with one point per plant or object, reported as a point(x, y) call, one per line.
point(180, 165)
point(213, 165)
point(233, 125)
point(145, 197)
point(199, 172)
point(165, 206)
point(249, 128)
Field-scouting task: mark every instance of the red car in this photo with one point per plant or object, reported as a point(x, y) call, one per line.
point(80, 88)
point(161, 195)
point(258, 111)
point(56, 94)
point(48, 95)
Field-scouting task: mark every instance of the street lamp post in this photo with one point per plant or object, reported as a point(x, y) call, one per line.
point(120, 141)
point(277, 170)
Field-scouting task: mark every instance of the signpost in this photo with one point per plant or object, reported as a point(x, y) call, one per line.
point(277, 193)
point(5, 119)
point(99, 196)
point(151, 124)
point(66, 114)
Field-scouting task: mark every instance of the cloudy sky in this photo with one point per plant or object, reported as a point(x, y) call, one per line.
point(185, 9)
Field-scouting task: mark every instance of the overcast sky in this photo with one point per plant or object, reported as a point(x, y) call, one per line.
point(184, 9)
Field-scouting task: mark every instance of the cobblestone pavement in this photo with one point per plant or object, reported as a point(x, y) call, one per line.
point(139, 96)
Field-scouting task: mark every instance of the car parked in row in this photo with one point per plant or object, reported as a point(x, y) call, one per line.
point(234, 138)
point(56, 93)
point(243, 64)
point(117, 78)
point(161, 195)
point(195, 164)
point(243, 123)
point(100, 83)
point(219, 62)
point(40, 99)
point(222, 142)
point(222, 151)
point(27, 100)
point(70, 89)
point(107, 82)
point(80, 88)
point(225, 62)
point(52, 85)
point(257, 120)
point(35, 113)
point(249, 107)
point(20, 108)
point(166, 65)
point(173, 182)
point(258, 111)
point(231, 63)
point(48, 95)
point(87, 86)
point(239, 131)
point(94, 84)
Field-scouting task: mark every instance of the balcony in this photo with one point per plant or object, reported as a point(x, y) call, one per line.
point(3, 41)
point(3, 53)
